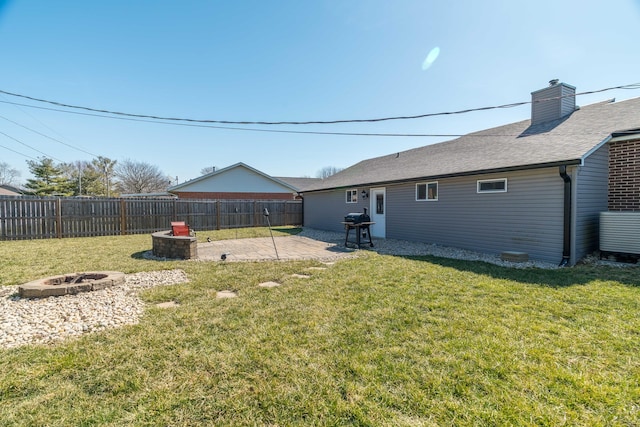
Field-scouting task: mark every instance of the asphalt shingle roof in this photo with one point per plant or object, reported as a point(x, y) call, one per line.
point(514, 146)
point(298, 182)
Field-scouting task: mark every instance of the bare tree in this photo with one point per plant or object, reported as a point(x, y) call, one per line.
point(207, 170)
point(140, 177)
point(8, 175)
point(327, 171)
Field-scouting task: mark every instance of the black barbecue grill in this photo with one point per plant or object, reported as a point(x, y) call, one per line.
point(360, 222)
point(357, 218)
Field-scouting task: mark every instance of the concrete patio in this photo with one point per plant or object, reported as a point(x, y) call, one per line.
point(262, 249)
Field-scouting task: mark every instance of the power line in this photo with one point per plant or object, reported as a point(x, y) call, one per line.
point(28, 146)
point(316, 122)
point(420, 135)
point(17, 152)
point(232, 127)
point(46, 126)
point(48, 137)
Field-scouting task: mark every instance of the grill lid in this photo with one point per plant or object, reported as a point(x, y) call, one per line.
point(357, 217)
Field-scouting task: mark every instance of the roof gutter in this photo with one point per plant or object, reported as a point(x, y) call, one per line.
point(566, 246)
point(625, 136)
point(450, 175)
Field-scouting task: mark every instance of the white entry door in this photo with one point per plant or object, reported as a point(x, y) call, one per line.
point(377, 211)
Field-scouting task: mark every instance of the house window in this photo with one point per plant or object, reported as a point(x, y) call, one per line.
point(352, 196)
point(427, 191)
point(492, 185)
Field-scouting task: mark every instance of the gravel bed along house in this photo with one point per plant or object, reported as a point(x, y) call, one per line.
point(406, 248)
point(38, 321)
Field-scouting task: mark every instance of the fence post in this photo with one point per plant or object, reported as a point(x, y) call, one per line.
point(123, 217)
point(3, 220)
point(59, 218)
point(286, 219)
point(255, 213)
point(218, 214)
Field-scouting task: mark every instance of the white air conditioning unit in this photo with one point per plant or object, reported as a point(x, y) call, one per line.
point(620, 232)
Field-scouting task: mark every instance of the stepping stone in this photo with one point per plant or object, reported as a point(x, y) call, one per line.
point(168, 304)
point(227, 294)
point(269, 284)
point(329, 263)
point(317, 268)
point(301, 276)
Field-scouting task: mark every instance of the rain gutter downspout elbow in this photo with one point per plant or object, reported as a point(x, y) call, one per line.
point(566, 246)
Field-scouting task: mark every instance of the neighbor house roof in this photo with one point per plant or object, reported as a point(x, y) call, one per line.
point(158, 195)
point(511, 147)
point(8, 190)
point(189, 185)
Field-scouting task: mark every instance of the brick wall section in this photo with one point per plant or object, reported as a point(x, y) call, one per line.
point(624, 176)
point(167, 246)
point(234, 196)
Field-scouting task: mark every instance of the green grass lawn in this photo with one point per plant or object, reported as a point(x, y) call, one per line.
point(375, 340)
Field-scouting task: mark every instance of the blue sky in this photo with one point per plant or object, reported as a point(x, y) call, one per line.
point(291, 61)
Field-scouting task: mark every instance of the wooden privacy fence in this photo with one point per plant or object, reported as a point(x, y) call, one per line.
point(44, 218)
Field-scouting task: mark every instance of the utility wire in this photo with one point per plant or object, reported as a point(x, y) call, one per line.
point(420, 135)
point(49, 137)
point(317, 122)
point(28, 146)
point(17, 152)
point(232, 127)
point(45, 125)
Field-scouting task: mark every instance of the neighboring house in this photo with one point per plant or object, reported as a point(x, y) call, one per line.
point(536, 186)
point(8, 190)
point(158, 195)
point(238, 181)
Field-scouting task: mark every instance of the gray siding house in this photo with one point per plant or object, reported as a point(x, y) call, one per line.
point(536, 186)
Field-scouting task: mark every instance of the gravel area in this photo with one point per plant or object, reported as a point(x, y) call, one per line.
point(38, 321)
point(403, 247)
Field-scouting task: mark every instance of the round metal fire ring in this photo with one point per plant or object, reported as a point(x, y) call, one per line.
point(70, 284)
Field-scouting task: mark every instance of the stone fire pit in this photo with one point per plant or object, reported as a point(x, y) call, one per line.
point(166, 245)
point(70, 284)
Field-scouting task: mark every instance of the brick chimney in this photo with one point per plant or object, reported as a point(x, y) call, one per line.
point(553, 102)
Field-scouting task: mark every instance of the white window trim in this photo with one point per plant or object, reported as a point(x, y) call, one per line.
point(426, 184)
point(480, 181)
point(354, 196)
